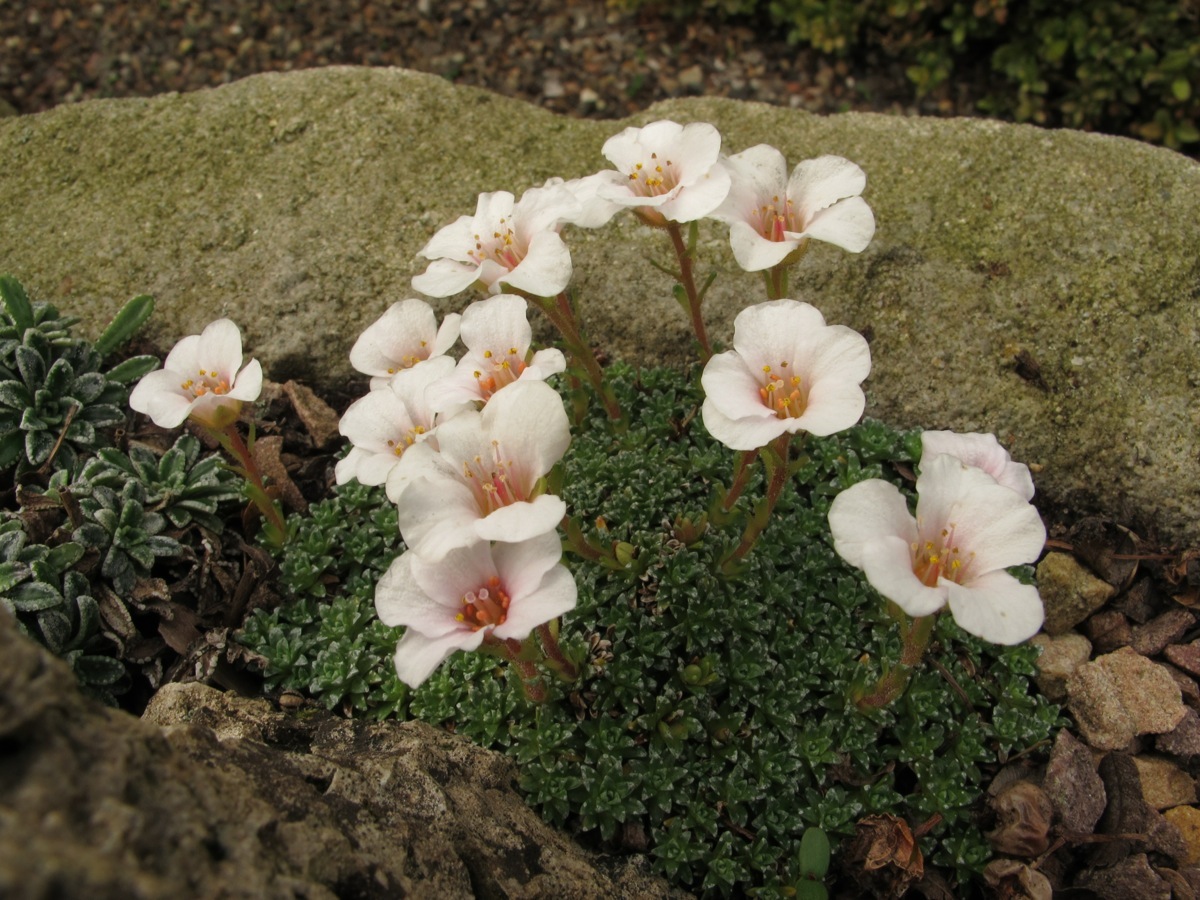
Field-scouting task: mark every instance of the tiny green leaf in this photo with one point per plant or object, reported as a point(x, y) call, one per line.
point(132, 369)
point(128, 320)
point(16, 303)
point(814, 853)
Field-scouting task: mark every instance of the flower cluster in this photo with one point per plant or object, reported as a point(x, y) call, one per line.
point(468, 442)
point(463, 452)
point(463, 448)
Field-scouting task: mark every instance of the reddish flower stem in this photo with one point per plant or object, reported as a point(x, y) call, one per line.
point(917, 634)
point(687, 279)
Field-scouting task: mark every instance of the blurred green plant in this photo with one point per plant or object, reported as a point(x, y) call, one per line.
point(1104, 65)
point(715, 715)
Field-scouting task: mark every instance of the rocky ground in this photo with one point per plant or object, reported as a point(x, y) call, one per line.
point(580, 57)
point(1111, 809)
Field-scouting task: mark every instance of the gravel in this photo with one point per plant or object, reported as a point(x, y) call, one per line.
point(577, 57)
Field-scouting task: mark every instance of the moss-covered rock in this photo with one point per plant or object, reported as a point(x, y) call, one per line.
point(1042, 285)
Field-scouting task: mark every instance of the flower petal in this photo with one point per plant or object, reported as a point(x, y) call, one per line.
point(522, 566)
point(887, 563)
point(746, 433)
point(997, 608)
point(991, 522)
point(529, 422)
point(522, 521)
point(865, 513)
point(220, 348)
point(819, 183)
point(754, 252)
point(982, 451)
point(417, 655)
point(848, 224)
point(248, 383)
point(445, 277)
point(555, 596)
point(546, 269)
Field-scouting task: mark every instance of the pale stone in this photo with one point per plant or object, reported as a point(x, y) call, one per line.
point(1187, 820)
point(1070, 593)
point(1164, 784)
point(1121, 695)
point(1061, 656)
point(296, 202)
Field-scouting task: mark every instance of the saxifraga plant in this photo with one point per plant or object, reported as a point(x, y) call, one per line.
point(715, 717)
point(180, 484)
point(55, 397)
point(53, 604)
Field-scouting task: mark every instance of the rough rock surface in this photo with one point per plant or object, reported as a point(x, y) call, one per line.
point(1069, 592)
point(1164, 784)
point(1061, 656)
point(1040, 285)
point(236, 799)
point(1073, 785)
point(1121, 695)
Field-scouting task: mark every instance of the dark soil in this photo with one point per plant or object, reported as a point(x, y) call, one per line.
point(577, 57)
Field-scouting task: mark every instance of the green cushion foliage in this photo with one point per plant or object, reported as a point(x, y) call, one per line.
point(714, 715)
point(1101, 65)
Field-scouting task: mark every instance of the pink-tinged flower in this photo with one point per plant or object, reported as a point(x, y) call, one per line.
point(386, 422)
point(967, 531)
point(200, 380)
point(504, 243)
point(405, 335)
point(666, 170)
point(771, 216)
point(497, 336)
point(594, 209)
point(788, 371)
point(475, 594)
point(982, 451)
point(484, 482)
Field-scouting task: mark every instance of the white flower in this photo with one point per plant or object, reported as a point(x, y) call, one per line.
point(497, 336)
point(666, 169)
point(200, 379)
point(982, 451)
point(405, 335)
point(967, 531)
point(788, 371)
point(504, 243)
point(771, 215)
point(474, 594)
point(594, 209)
point(483, 481)
point(386, 422)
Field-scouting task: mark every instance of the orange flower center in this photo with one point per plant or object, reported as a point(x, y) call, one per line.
point(502, 246)
point(940, 558)
point(484, 607)
point(783, 392)
point(206, 383)
point(775, 218)
point(653, 179)
point(502, 370)
point(495, 483)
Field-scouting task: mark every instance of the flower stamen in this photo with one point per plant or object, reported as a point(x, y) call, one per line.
point(485, 607)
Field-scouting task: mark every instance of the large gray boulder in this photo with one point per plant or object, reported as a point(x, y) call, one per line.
point(1041, 285)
